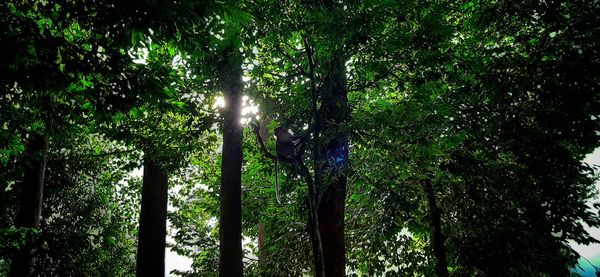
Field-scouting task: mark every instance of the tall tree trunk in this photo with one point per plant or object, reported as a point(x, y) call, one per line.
point(153, 221)
point(30, 206)
point(439, 250)
point(331, 225)
point(332, 205)
point(230, 223)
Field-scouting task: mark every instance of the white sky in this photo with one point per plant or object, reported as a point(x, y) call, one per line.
point(174, 261)
point(589, 251)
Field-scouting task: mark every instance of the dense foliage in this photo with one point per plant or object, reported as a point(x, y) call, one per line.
point(467, 124)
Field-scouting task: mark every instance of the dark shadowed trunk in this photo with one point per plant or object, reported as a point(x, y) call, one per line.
point(331, 224)
point(332, 204)
point(30, 205)
point(561, 270)
point(439, 250)
point(230, 222)
point(153, 221)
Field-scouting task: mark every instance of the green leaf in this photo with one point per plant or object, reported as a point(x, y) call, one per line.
point(118, 117)
point(87, 47)
point(136, 38)
point(111, 241)
point(178, 104)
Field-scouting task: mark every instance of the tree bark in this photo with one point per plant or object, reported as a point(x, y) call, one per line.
point(261, 243)
point(332, 205)
point(30, 206)
point(439, 249)
point(262, 251)
point(153, 221)
point(230, 223)
point(331, 224)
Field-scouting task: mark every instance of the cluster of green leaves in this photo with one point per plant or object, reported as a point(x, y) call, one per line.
point(90, 211)
point(67, 74)
point(494, 102)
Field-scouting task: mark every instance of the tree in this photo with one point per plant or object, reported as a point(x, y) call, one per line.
point(76, 55)
point(466, 124)
point(88, 224)
point(230, 221)
point(30, 208)
point(153, 220)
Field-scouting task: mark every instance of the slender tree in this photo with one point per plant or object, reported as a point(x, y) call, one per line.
point(230, 221)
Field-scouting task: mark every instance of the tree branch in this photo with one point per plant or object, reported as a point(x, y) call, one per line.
point(291, 59)
point(359, 87)
point(285, 76)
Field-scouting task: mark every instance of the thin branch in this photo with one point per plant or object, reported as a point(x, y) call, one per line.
point(314, 187)
point(285, 76)
point(373, 82)
point(315, 121)
point(291, 59)
point(250, 258)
